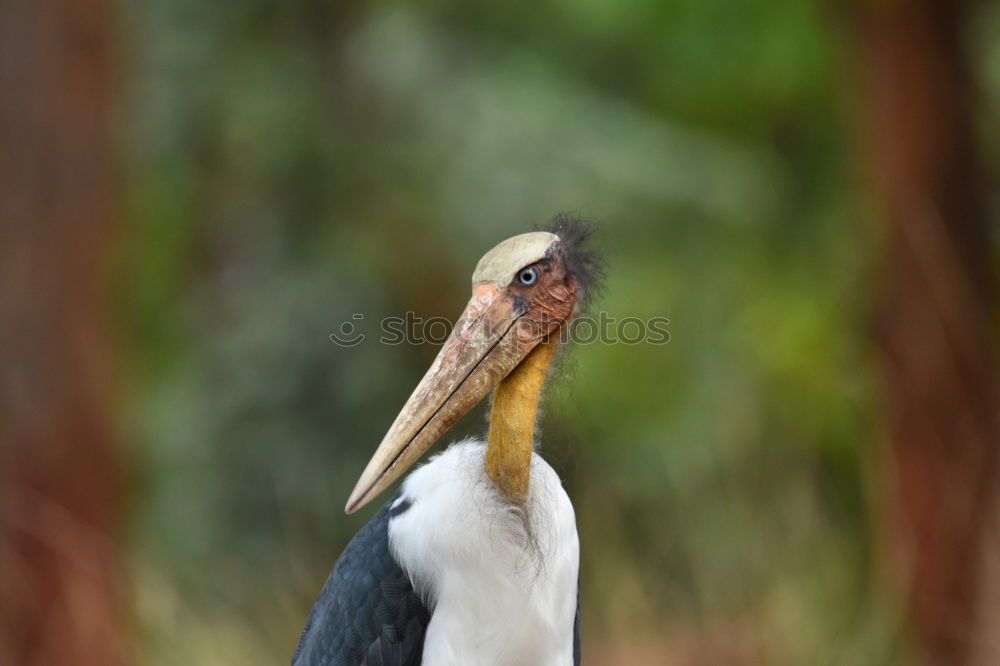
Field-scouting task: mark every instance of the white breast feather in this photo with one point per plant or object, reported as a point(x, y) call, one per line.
point(499, 596)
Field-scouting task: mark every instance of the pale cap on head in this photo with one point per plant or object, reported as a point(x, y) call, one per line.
point(501, 264)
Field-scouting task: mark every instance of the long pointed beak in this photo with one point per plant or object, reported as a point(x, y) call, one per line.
point(482, 349)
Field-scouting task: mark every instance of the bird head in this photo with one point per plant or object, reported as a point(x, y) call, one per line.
point(524, 290)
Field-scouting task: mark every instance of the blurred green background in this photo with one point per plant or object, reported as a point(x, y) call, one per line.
point(287, 165)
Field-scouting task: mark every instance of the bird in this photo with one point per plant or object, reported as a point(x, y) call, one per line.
point(474, 561)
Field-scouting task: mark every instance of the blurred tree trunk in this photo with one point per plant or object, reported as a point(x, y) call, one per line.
point(59, 490)
point(933, 328)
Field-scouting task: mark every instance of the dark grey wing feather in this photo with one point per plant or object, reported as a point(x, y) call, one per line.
point(368, 613)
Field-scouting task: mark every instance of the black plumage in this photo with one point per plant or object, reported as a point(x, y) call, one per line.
point(582, 260)
point(368, 613)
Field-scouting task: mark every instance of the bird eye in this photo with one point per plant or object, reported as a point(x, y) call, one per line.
point(528, 276)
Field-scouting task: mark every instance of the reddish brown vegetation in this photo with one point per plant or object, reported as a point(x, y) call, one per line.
point(59, 492)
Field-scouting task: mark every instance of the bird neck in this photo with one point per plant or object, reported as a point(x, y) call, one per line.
point(512, 422)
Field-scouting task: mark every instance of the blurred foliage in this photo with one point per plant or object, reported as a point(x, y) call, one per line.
point(291, 164)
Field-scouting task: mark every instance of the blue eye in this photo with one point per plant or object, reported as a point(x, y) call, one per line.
point(528, 276)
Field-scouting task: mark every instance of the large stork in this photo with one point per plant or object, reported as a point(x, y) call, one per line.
point(475, 560)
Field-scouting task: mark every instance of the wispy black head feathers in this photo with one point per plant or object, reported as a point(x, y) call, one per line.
point(582, 260)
